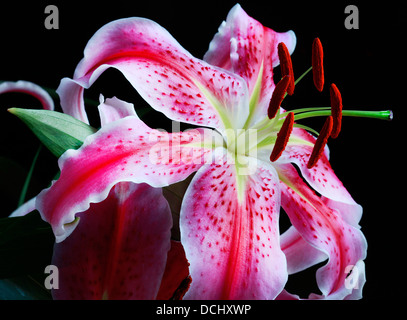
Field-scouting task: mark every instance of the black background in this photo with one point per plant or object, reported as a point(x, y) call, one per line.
point(367, 65)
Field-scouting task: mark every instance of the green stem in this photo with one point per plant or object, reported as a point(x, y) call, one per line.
point(301, 110)
point(381, 115)
point(303, 75)
point(28, 178)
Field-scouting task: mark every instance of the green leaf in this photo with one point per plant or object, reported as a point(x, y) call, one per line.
point(57, 131)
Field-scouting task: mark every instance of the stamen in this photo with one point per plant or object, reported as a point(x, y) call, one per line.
point(336, 110)
point(320, 143)
point(317, 64)
point(282, 137)
point(278, 96)
point(286, 66)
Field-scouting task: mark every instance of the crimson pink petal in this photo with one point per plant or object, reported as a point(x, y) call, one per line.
point(119, 250)
point(233, 248)
point(175, 275)
point(245, 47)
point(124, 150)
point(167, 76)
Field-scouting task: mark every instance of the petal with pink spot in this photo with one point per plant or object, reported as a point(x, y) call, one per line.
point(247, 48)
point(321, 177)
point(233, 247)
point(299, 253)
point(324, 229)
point(167, 76)
point(124, 150)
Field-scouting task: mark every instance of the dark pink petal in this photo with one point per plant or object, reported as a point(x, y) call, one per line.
point(247, 48)
point(233, 246)
point(167, 76)
point(31, 89)
point(119, 250)
point(176, 272)
point(324, 229)
point(124, 150)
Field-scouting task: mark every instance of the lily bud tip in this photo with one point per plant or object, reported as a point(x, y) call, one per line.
point(390, 115)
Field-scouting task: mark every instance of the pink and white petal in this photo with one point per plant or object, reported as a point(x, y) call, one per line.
point(355, 280)
point(167, 76)
point(119, 250)
point(233, 247)
point(24, 209)
point(321, 177)
point(244, 46)
point(351, 213)
point(124, 150)
point(324, 229)
point(31, 89)
point(71, 97)
point(285, 295)
point(299, 253)
point(114, 109)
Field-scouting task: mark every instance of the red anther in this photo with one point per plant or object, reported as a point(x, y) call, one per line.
point(317, 64)
point(336, 110)
point(278, 96)
point(282, 137)
point(286, 66)
point(320, 143)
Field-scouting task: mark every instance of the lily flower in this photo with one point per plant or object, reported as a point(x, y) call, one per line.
point(29, 88)
point(229, 219)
